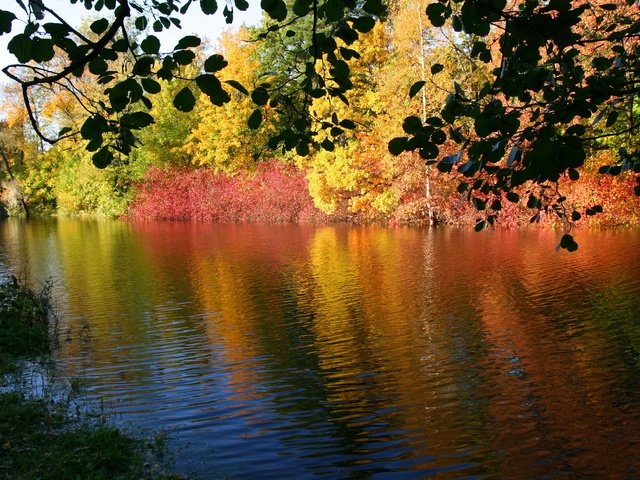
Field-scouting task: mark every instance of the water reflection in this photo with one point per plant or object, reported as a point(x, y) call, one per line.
point(354, 352)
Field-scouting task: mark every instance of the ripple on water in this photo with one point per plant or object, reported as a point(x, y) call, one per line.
point(278, 352)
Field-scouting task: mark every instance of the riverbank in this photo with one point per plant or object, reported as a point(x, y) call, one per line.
point(276, 193)
point(44, 432)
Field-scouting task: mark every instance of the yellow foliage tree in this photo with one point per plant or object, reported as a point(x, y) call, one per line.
point(360, 173)
point(222, 140)
point(350, 175)
point(163, 142)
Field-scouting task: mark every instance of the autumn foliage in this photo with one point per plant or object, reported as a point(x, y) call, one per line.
point(209, 164)
point(274, 193)
point(615, 194)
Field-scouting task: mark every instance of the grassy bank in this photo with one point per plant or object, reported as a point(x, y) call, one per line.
point(45, 435)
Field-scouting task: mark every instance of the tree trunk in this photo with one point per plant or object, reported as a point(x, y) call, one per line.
point(423, 76)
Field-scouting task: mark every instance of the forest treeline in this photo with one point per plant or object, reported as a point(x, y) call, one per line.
point(210, 164)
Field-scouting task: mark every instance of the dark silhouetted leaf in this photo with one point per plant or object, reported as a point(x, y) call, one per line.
point(241, 5)
point(215, 63)
point(436, 14)
point(150, 45)
point(364, 24)
point(190, 41)
point(374, 7)
point(5, 21)
point(42, 50)
point(20, 47)
point(397, 145)
point(328, 145)
point(302, 149)
point(567, 242)
point(227, 12)
point(255, 119)
point(141, 23)
point(478, 203)
point(208, 7)
point(150, 85)
point(238, 86)
point(412, 125)
point(513, 197)
point(98, 66)
point(184, 57)
point(184, 100)
point(102, 158)
point(416, 87)
point(260, 96)
point(209, 84)
point(136, 120)
point(99, 26)
point(574, 174)
point(612, 118)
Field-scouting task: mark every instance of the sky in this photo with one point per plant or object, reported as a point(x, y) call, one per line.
point(209, 26)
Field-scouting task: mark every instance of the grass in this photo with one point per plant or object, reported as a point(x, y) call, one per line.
point(42, 435)
point(36, 442)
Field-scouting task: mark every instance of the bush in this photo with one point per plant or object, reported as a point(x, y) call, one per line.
point(27, 323)
point(42, 440)
point(274, 193)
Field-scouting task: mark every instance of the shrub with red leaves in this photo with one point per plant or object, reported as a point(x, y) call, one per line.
point(274, 193)
point(614, 194)
point(277, 193)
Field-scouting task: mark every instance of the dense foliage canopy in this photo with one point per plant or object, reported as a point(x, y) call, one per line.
point(530, 92)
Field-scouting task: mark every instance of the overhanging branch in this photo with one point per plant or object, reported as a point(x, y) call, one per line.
point(122, 12)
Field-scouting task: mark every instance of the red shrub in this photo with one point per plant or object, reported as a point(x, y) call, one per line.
point(621, 207)
point(275, 193)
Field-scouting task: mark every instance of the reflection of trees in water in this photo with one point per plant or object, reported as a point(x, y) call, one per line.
point(554, 385)
point(340, 335)
point(440, 346)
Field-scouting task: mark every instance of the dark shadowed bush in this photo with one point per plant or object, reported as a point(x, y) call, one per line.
point(27, 322)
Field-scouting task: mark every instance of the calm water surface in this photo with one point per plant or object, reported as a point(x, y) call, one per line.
point(341, 352)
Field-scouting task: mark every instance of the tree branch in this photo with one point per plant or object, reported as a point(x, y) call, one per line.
point(62, 20)
point(122, 12)
point(98, 46)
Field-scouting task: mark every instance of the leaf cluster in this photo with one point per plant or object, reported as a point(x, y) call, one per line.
point(555, 66)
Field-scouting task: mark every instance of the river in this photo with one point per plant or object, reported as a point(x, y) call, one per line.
point(333, 352)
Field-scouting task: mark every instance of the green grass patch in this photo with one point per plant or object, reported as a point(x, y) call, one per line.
point(38, 441)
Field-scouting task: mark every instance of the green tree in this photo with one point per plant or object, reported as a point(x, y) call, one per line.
point(124, 31)
point(162, 142)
